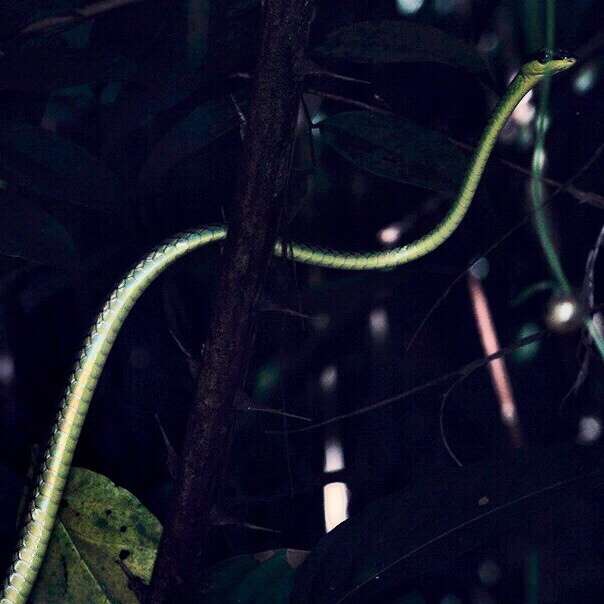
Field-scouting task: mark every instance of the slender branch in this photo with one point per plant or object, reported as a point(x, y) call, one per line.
point(541, 214)
point(76, 16)
point(309, 68)
point(263, 177)
point(278, 412)
point(348, 101)
point(462, 372)
point(594, 199)
point(589, 197)
point(562, 187)
point(593, 320)
point(500, 378)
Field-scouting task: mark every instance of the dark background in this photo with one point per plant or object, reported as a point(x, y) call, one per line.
point(125, 87)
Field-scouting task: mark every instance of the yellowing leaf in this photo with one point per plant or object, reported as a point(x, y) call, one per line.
point(65, 576)
point(104, 537)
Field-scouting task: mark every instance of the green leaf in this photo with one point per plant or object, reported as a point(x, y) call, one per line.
point(102, 530)
point(30, 233)
point(397, 149)
point(136, 106)
point(65, 576)
point(203, 126)
point(53, 167)
point(379, 42)
point(105, 537)
point(266, 577)
point(425, 529)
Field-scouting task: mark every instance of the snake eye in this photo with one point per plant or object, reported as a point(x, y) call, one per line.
point(546, 55)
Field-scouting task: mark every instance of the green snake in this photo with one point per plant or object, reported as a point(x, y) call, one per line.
point(44, 505)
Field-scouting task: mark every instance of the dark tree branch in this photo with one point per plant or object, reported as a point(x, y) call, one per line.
point(76, 16)
point(252, 233)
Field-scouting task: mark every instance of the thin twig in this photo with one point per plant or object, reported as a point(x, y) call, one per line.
point(348, 101)
point(441, 421)
point(561, 187)
point(462, 371)
point(279, 412)
point(588, 197)
point(309, 125)
point(285, 311)
point(592, 323)
point(589, 282)
point(458, 527)
point(588, 296)
point(314, 70)
point(171, 454)
point(307, 67)
point(76, 16)
point(500, 379)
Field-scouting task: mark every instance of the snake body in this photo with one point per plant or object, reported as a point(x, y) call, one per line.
point(44, 505)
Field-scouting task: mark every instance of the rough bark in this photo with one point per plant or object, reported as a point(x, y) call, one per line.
point(262, 180)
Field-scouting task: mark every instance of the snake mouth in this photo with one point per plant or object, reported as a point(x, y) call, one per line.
point(548, 62)
point(547, 55)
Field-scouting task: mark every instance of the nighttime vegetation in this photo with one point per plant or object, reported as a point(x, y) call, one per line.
point(422, 429)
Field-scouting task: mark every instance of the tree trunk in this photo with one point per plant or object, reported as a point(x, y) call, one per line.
point(252, 233)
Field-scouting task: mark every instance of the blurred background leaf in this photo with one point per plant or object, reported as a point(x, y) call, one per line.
point(397, 149)
point(121, 130)
point(53, 167)
point(199, 129)
point(30, 233)
point(425, 530)
point(263, 577)
point(397, 42)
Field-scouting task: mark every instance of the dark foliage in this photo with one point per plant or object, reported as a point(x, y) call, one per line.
point(121, 128)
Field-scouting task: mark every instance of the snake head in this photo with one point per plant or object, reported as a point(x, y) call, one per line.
point(548, 62)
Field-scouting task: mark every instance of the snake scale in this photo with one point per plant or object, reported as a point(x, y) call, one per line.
point(44, 505)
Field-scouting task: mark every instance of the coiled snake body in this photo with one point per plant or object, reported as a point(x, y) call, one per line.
point(53, 475)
